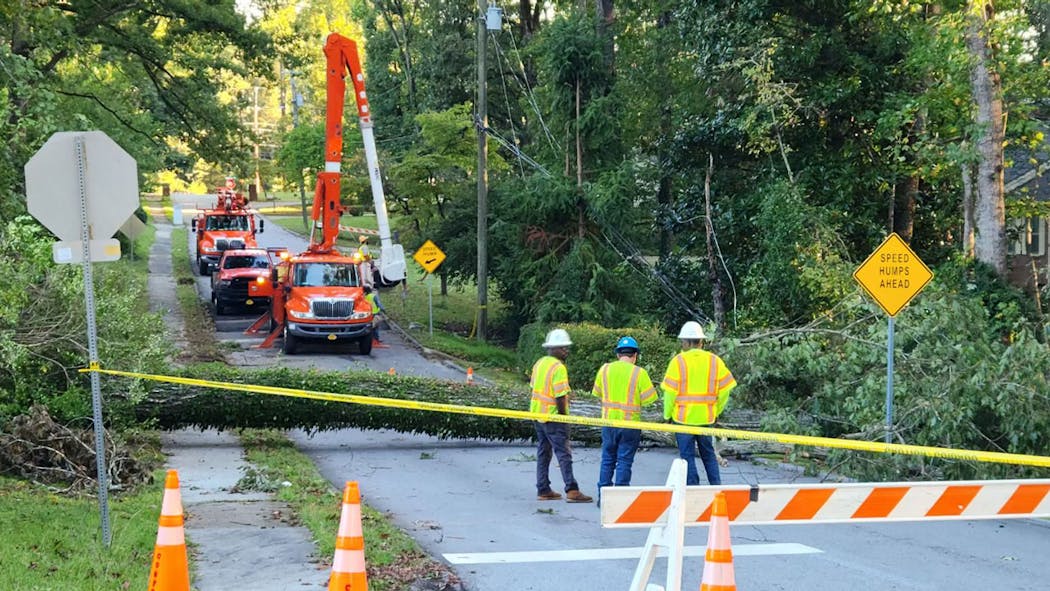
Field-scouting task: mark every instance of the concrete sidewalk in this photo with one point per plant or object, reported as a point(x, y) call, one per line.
point(237, 541)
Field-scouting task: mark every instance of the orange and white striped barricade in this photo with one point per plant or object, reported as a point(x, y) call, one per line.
point(668, 535)
point(634, 506)
point(667, 509)
point(353, 230)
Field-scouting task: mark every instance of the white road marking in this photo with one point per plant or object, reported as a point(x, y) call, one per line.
point(616, 554)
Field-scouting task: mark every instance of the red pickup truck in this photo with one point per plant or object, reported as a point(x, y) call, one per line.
point(242, 280)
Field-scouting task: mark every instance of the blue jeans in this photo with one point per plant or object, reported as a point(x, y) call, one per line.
point(618, 448)
point(687, 445)
point(553, 437)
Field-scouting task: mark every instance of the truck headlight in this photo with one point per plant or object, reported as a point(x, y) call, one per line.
point(298, 314)
point(225, 283)
point(360, 315)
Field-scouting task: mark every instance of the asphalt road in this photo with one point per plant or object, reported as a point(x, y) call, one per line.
point(473, 504)
point(396, 353)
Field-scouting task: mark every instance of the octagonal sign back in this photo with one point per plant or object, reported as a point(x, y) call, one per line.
point(53, 185)
point(893, 274)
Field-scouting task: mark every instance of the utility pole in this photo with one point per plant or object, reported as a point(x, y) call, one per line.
point(255, 128)
point(482, 124)
point(297, 100)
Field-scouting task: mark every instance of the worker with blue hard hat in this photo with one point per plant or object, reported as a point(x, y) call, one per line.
point(624, 388)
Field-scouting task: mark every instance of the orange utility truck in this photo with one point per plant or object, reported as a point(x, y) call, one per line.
point(319, 294)
point(230, 225)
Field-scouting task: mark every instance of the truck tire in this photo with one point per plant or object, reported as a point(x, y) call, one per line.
point(202, 267)
point(219, 308)
point(364, 345)
point(291, 343)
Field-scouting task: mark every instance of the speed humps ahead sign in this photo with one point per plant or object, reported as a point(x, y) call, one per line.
point(429, 256)
point(893, 275)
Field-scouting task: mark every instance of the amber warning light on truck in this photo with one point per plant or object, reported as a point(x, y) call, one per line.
point(893, 275)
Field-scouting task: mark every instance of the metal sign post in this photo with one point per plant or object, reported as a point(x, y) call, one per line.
point(889, 381)
point(430, 257)
point(892, 276)
point(86, 198)
point(92, 334)
point(430, 301)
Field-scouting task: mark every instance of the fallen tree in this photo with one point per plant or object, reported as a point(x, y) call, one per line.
point(174, 406)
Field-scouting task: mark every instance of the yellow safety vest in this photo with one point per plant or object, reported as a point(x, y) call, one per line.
point(371, 299)
point(624, 389)
point(696, 387)
point(550, 380)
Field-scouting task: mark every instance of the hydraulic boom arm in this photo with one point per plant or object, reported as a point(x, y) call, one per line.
point(342, 59)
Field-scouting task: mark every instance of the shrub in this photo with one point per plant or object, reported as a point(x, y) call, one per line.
point(592, 345)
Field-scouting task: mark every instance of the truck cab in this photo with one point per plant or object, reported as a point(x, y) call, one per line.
point(323, 300)
point(230, 225)
point(242, 279)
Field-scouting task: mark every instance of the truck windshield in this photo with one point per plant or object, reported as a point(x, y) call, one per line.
point(325, 275)
point(227, 222)
point(246, 262)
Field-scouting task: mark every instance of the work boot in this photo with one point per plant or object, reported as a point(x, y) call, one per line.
point(575, 496)
point(548, 496)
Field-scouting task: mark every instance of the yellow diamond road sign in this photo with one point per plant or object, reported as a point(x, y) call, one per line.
point(893, 274)
point(429, 256)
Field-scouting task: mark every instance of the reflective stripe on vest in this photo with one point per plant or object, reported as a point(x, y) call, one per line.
point(543, 399)
point(685, 401)
point(626, 410)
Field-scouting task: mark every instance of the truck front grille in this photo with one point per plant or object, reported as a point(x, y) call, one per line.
point(228, 244)
point(239, 286)
point(332, 308)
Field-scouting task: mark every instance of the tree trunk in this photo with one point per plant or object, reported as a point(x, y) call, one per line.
point(990, 246)
point(712, 263)
point(968, 217)
point(903, 222)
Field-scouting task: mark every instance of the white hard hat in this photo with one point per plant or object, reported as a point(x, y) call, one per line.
point(692, 331)
point(557, 338)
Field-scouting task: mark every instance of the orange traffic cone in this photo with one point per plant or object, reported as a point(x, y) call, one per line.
point(348, 567)
point(392, 372)
point(718, 561)
point(470, 375)
point(171, 569)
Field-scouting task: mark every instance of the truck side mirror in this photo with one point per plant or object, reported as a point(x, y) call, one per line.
point(273, 276)
point(193, 225)
point(262, 224)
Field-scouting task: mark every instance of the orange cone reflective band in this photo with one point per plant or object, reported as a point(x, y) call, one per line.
point(170, 570)
point(718, 560)
point(348, 567)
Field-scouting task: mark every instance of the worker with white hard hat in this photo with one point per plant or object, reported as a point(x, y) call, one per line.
point(696, 388)
point(550, 395)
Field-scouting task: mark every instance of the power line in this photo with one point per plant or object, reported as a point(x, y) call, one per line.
point(619, 243)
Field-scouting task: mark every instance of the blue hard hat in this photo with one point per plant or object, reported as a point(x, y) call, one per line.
point(626, 345)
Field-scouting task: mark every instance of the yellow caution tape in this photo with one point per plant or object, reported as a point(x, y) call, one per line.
point(804, 440)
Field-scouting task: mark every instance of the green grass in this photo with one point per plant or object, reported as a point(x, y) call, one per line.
point(389, 552)
point(54, 543)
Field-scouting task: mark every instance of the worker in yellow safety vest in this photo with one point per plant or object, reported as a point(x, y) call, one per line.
point(550, 395)
point(624, 388)
point(696, 388)
point(373, 300)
